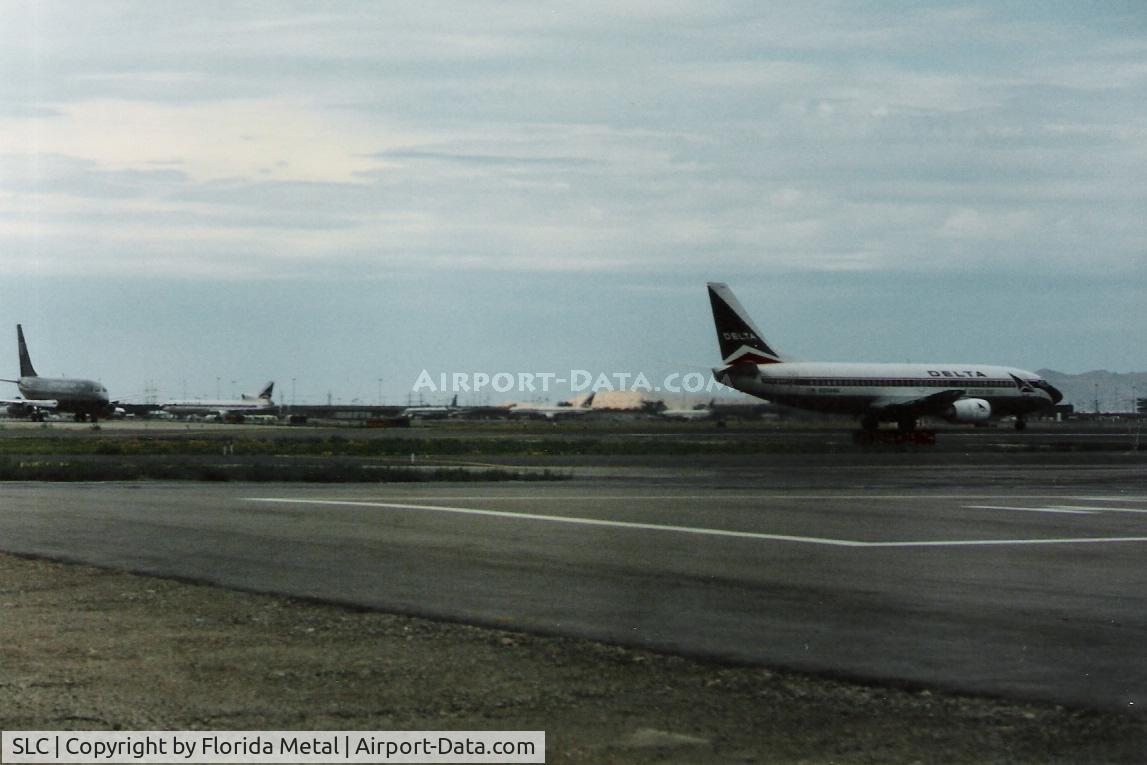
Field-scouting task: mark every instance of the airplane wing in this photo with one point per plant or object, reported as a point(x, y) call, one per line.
point(35, 403)
point(935, 404)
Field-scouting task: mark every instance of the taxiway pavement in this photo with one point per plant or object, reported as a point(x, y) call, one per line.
point(1006, 579)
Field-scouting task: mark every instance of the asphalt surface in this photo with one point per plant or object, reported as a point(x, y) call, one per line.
point(987, 574)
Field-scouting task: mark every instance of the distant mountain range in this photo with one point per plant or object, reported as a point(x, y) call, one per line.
point(1099, 391)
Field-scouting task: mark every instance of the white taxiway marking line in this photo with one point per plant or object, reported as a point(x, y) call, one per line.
point(987, 542)
point(566, 519)
point(1070, 510)
point(734, 496)
point(1084, 509)
point(690, 529)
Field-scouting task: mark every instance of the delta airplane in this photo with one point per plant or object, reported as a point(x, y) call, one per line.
point(85, 399)
point(564, 409)
point(701, 412)
point(900, 393)
point(432, 412)
point(231, 409)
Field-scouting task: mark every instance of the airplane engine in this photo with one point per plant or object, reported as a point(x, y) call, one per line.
point(969, 410)
point(19, 410)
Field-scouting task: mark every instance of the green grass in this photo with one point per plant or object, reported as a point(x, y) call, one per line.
point(342, 446)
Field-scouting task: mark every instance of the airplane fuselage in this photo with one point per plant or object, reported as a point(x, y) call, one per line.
point(546, 411)
point(861, 389)
point(686, 414)
point(224, 408)
point(428, 412)
point(70, 394)
point(903, 393)
point(205, 407)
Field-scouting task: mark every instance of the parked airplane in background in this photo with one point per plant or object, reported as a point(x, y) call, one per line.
point(84, 399)
point(699, 412)
point(565, 409)
point(432, 412)
point(901, 393)
point(232, 409)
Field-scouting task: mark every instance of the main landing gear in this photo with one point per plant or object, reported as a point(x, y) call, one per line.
point(894, 437)
point(871, 422)
point(905, 433)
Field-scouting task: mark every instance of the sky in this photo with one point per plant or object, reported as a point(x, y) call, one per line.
point(196, 198)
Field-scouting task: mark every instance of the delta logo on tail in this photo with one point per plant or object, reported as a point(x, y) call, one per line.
point(741, 342)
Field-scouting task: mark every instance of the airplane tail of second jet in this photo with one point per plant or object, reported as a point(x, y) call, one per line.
point(26, 368)
point(262, 395)
point(741, 341)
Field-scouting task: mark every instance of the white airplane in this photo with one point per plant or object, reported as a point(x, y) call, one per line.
point(85, 399)
point(564, 409)
point(233, 409)
point(699, 412)
point(432, 412)
point(901, 393)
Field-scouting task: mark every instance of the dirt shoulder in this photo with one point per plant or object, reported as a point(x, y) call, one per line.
point(86, 648)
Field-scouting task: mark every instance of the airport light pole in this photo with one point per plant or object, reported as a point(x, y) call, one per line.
point(1140, 412)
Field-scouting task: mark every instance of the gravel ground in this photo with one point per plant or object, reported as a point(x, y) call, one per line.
point(85, 648)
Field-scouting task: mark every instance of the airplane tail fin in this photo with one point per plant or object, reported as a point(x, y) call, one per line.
point(741, 341)
point(26, 368)
point(266, 392)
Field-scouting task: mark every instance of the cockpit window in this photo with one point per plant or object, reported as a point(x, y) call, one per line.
point(1054, 392)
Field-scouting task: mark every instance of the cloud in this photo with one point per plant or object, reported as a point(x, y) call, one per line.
point(632, 136)
point(975, 225)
